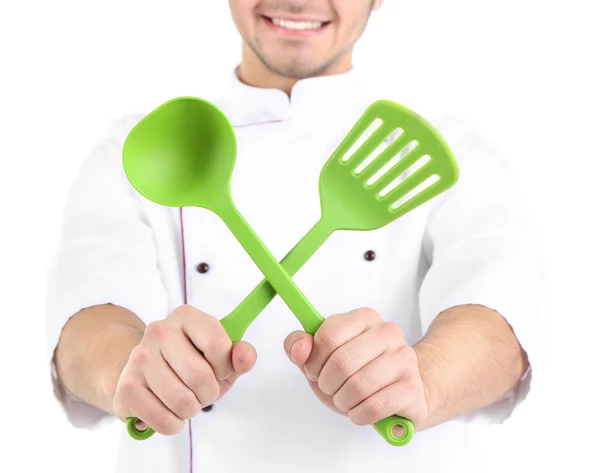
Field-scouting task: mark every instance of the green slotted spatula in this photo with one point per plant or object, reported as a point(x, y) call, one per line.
point(183, 154)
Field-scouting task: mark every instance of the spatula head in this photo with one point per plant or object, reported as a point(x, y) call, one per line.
point(390, 162)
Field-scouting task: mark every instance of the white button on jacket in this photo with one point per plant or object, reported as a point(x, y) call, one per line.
point(471, 245)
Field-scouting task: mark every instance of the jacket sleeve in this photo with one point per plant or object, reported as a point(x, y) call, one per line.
point(481, 247)
point(106, 254)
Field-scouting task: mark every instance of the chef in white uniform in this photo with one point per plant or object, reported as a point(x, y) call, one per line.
point(429, 317)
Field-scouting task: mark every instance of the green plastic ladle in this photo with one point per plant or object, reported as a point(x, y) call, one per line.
point(183, 154)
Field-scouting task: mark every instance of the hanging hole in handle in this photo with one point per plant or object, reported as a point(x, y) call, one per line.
point(134, 428)
point(140, 426)
point(398, 431)
point(389, 426)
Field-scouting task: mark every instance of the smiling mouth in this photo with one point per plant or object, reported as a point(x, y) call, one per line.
point(293, 25)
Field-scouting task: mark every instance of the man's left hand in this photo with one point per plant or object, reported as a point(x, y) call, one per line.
point(360, 366)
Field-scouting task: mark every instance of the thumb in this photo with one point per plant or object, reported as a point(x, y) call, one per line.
point(243, 357)
point(298, 346)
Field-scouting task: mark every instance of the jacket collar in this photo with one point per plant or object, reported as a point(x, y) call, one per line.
point(316, 98)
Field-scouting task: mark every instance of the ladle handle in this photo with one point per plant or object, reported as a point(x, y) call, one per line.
point(237, 322)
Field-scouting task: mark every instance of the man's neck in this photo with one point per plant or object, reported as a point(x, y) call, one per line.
point(253, 72)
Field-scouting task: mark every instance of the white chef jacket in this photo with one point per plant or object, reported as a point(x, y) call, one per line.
point(471, 245)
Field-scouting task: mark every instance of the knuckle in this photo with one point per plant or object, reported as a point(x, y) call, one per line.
point(186, 404)
point(219, 339)
point(343, 363)
point(128, 389)
point(393, 331)
point(327, 337)
point(209, 393)
point(157, 330)
point(210, 322)
point(369, 313)
point(166, 424)
point(198, 379)
point(140, 356)
point(373, 410)
point(213, 393)
point(184, 311)
point(358, 386)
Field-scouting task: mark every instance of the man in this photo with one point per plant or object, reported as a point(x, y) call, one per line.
point(427, 318)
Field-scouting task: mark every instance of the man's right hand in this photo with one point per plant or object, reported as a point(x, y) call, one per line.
point(168, 380)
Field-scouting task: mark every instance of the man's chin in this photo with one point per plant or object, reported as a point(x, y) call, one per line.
point(295, 72)
point(293, 66)
point(296, 69)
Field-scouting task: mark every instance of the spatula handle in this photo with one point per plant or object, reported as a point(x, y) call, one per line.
point(237, 322)
point(300, 306)
point(274, 272)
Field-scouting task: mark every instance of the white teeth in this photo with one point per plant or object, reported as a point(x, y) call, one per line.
point(297, 25)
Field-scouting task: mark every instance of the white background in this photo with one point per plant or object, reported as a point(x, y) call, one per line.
point(521, 71)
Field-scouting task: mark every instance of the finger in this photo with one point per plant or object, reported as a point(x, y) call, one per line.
point(298, 346)
point(209, 336)
point(394, 399)
point(133, 398)
point(350, 358)
point(153, 413)
point(367, 381)
point(171, 390)
point(333, 333)
point(191, 368)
